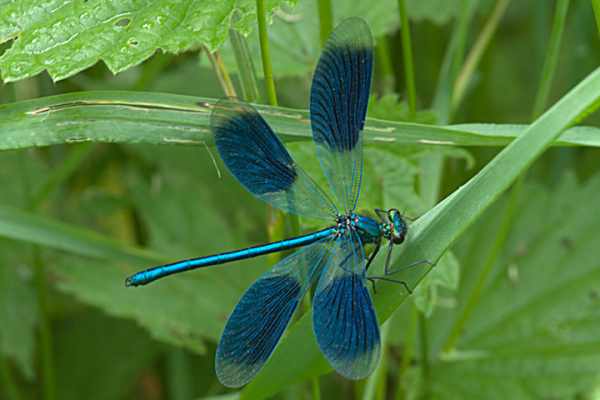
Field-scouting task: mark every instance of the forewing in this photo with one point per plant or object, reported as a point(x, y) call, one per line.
point(338, 107)
point(263, 313)
point(344, 320)
point(257, 158)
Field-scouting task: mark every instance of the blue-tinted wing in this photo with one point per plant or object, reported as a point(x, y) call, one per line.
point(263, 313)
point(257, 158)
point(344, 320)
point(338, 106)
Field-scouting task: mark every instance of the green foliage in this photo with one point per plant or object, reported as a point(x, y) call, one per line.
point(534, 334)
point(18, 308)
point(491, 319)
point(118, 349)
point(438, 11)
point(158, 118)
point(432, 234)
point(389, 107)
point(446, 275)
point(18, 305)
point(65, 37)
point(175, 212)
point(301, 27)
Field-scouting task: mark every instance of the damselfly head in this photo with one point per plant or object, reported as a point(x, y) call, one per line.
point(398, 226)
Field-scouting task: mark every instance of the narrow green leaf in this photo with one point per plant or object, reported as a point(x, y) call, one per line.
point(21, 225)
point(245, 66)
point(551, 60)
point(476, 53)
point(155, 118)
point(453, 61)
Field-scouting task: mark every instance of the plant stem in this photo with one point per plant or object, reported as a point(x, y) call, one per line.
point(245, 66)
point(477, 51)
point(384, 62)
point(452, 61)
point(325, 20)
point(265, 52)
point(223, 76)
point(407, 54)
point(551, 60)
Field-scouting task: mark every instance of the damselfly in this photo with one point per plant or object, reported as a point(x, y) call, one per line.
point(344, 320)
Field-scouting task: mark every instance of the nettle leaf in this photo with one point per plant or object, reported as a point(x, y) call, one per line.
point(446, 274)
point(65, 37)
point(186, 211)
point(534, 333)
point(389, 107)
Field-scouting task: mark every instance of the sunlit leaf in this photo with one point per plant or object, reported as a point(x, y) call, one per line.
point(64, 37)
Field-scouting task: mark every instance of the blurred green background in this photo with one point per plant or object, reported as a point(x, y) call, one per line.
point(512, 311)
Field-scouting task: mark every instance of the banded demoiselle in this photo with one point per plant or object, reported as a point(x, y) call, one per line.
point(344, 321)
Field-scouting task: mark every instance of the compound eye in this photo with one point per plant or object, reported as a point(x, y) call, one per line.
point(398, 238)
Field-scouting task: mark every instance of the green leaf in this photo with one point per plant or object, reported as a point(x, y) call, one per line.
point(106, 351)
point(28, 227)
point(534, 333)
point(176, 208)
point(390, 107)
point(20, 172)
point(65, 37)
point(437, 11)
point(431, 235)
point(445, 275)
point(18, 308)
point(155, 118)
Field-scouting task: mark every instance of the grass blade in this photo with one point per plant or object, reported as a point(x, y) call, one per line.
point(160, 118)
point(551, 61)
point(21, 225)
